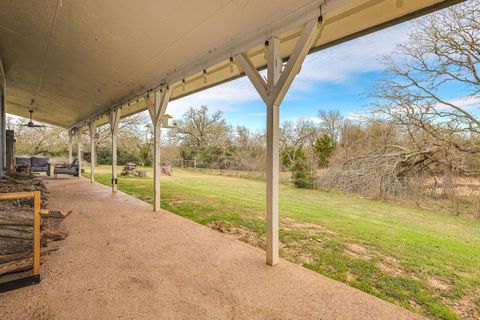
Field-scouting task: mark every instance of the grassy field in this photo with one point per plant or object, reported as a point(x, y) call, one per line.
point(424, 261)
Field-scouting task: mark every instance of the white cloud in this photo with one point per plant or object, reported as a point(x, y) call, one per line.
point(225, 97)
point(341, 63)
point(355, 116)
point(301, 118)
point(467, 103)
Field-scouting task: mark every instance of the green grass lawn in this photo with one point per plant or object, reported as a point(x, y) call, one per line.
point(425, 261)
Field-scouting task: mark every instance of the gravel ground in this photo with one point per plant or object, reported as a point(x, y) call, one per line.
point(123, 261)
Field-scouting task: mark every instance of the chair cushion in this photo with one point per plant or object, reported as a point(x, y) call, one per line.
point(40, 161)
point(39, 169)
point(23, 160)
point(74, 163)
point(65, 170)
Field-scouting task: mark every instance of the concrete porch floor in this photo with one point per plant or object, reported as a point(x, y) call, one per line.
point(121, 260)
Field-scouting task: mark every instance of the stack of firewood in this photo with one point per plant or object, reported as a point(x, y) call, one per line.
point(17, 182)
point(16, 227)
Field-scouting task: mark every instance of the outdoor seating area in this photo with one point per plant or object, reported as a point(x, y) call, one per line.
point(71, 169)
point(34, 164)
point(37, 164)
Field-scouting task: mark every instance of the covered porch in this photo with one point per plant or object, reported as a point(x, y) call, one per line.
point(82, 65)
point(121, 260)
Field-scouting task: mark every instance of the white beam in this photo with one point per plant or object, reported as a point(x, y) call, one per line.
point(272, 92)
point(157, 111)
point(79, 153)
point(114, 120)
point(258, 82)
point(70, 143)
point(156, 166)
point(308, 36)
point(92, 128)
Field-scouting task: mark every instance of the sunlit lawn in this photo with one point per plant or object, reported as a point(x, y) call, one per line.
point(424, 261)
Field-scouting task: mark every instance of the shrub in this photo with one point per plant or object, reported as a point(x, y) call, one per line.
point(301, 174)
point(324, 148)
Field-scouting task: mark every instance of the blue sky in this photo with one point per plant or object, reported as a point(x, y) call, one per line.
point(336, 78)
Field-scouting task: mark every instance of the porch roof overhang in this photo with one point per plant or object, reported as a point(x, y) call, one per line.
point(79, 59)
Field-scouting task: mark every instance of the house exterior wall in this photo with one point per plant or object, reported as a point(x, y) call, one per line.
point(2, 119)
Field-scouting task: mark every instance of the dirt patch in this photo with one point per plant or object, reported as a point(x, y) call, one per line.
point(438, 284)
point(291, 224)
point(468, 307)
point(391, 266)
point(414, 305)
point(295, 252)
point(238, 232)
point(390, 269)
point(349, 276)
point(358, 251)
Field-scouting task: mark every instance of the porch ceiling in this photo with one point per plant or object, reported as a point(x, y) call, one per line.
point(77, 59)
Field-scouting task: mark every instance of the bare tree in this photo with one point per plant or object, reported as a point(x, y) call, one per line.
point(331, 122)
point(133, 125)
point(443, 50)
point(297, 136)
point(199, 130)
point(249, 149)
point(352, 139)
point(39, 140)
point(417, 129)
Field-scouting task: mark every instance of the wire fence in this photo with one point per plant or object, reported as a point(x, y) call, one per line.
point(231, 169)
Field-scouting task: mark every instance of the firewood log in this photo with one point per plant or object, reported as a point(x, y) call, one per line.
point(17, 227)
point(16, 216)
point(17, 234)
point(26, 254)
point(15, 256)
point(15, 265)
point(12, 245)
point(16, 275)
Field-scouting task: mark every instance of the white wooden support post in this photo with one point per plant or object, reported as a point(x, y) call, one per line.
point(273, 135)
point(70, 143)
point(272, 92)
point(114, 120)
point(157, 111)
point(79, 152)
point(92, 128)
